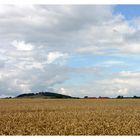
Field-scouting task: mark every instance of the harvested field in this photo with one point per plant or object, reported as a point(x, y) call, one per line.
point(69, 117)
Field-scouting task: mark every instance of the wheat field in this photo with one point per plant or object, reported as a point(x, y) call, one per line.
point(69, 117)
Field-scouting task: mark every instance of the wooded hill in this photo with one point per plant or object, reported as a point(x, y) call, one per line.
point(49, 95)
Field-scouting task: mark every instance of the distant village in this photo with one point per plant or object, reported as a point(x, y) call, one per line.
point(118, 97)
point(86, 97)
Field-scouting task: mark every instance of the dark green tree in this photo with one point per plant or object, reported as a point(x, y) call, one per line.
point(119, 97)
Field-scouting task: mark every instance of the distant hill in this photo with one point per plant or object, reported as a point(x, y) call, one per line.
point(48, 95)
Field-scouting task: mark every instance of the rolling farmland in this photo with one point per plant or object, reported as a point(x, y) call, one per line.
point(69, 117)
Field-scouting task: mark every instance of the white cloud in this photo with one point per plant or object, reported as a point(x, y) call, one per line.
point(53, 56)
point(113, 62)
point(22, 46)
point(123, 91)
point(124, 83)
point(62, 91)
point(131, 48)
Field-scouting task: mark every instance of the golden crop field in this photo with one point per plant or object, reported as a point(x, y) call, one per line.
point(69, 117)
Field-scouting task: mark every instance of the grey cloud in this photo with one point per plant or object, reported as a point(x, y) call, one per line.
point(53, 25)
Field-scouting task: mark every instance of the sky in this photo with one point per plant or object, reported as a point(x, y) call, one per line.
point(81, 50)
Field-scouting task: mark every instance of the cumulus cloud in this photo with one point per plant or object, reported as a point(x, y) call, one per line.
point(131, 48)
point(123, 91)
point(22, 46)
point(52, 56)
